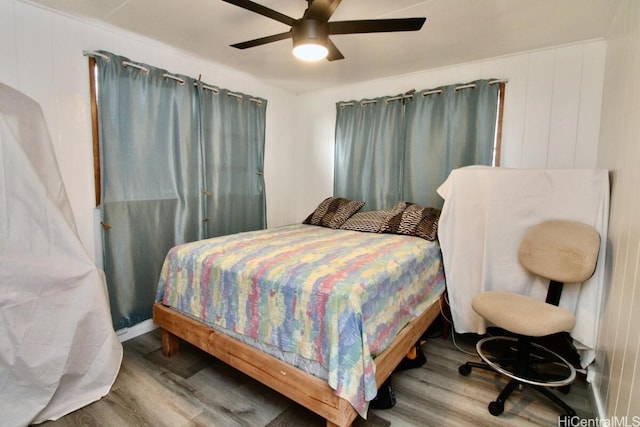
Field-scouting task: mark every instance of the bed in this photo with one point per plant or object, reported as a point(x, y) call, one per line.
point(321, 315)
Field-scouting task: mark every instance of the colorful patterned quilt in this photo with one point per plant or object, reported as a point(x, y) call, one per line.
point(335, 297)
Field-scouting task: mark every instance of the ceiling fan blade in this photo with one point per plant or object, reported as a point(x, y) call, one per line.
point(262, 40)
point(376, 25)
point(262, 10)
point(334, 53)
point(321, 10)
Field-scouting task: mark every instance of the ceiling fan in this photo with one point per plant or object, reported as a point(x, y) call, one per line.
point(310, 34)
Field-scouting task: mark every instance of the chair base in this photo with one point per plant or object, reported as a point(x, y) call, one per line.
point(524, 363)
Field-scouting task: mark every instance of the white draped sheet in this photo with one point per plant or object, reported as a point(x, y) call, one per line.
point(58, 349)
point(485, 214)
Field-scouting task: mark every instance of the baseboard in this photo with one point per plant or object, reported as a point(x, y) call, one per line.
point(136, 330)
point(596, 399)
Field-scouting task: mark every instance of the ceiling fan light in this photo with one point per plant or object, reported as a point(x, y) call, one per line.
point(310, 51)
point(310, 39)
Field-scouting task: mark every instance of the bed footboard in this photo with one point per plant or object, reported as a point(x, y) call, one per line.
point(305, 389)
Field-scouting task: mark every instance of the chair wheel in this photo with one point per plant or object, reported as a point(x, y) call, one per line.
point(565, 389)
point(496, 408)
point(464, 370)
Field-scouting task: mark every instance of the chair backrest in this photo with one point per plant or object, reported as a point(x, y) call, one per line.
point(560, 250)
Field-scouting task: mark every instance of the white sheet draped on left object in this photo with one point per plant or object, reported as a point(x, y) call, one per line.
point(58, 350)
point(485, 214)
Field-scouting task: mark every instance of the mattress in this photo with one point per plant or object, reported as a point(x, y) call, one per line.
point(322, 299)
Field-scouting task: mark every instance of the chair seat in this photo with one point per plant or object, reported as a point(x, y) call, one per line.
point(522, 315)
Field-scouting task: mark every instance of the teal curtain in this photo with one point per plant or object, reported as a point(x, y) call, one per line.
point(367, 149)
point(233, 127)
point(446, 128)
point(404, 147)
point(156, 144)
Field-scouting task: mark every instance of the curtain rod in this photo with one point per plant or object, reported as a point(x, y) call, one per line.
point(94, 54)
point(168, 76)
point(216, 91)
point(134, 65)
point(176, 78)
point(409, 94)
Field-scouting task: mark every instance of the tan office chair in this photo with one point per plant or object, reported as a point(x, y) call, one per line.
point(564, 252)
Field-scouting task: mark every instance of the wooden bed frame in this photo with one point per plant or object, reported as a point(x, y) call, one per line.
point(303, 388)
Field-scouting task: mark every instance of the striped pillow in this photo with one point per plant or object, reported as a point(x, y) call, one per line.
point(370, 222)
point(332, 212)
point(411, 219)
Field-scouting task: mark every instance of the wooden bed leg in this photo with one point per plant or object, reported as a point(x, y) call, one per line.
point(170, 344)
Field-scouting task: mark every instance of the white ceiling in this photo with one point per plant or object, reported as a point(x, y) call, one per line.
point(456, 31)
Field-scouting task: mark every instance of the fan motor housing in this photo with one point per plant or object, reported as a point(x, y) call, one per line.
point(305, 30)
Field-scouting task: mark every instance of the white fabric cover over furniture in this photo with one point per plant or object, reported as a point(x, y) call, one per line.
point(58, 350)
point(485, 214)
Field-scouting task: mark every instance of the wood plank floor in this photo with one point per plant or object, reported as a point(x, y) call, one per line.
point(194, 389)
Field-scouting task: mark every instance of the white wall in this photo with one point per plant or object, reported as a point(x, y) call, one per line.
point(618, 356)
point(551, 118)
point(41, 54)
